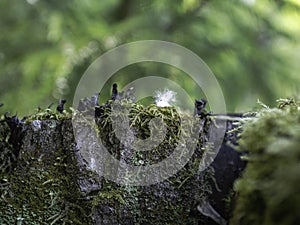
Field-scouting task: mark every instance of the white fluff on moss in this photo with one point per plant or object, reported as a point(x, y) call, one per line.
point(165, 98)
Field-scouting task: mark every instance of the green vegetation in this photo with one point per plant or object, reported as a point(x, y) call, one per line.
point(48, 114)
point(45, 46)
point(139, 118)
point(6, 155)
point(42, 190)
point(39, 186)
point(268, 192)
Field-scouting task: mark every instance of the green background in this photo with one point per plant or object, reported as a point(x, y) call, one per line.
point(253, 47)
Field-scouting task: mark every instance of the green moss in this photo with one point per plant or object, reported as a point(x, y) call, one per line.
point(109, 197)
point(42, 191)
point(139, 119)
point(48, 114)
point(7, 156)
point(164, 209)
point(268, 193)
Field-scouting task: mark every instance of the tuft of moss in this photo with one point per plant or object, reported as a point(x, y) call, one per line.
point(48, 114)
point(268, 192)
point(139, 122)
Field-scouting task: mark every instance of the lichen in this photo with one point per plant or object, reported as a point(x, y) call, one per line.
point(268, 192)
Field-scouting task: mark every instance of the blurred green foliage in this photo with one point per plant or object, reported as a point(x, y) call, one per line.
point(252, 46)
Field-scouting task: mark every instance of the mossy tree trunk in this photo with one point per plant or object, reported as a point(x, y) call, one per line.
point(47, 182)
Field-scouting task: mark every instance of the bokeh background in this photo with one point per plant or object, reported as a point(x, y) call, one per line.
point(252, 46)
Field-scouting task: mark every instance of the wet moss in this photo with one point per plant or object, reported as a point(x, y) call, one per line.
point(268, 192)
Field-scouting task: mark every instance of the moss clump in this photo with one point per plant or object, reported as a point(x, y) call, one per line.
point(269, 189)
point(109, 195)
point(139, 119)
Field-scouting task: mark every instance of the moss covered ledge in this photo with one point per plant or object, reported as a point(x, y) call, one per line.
point(44, 179)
